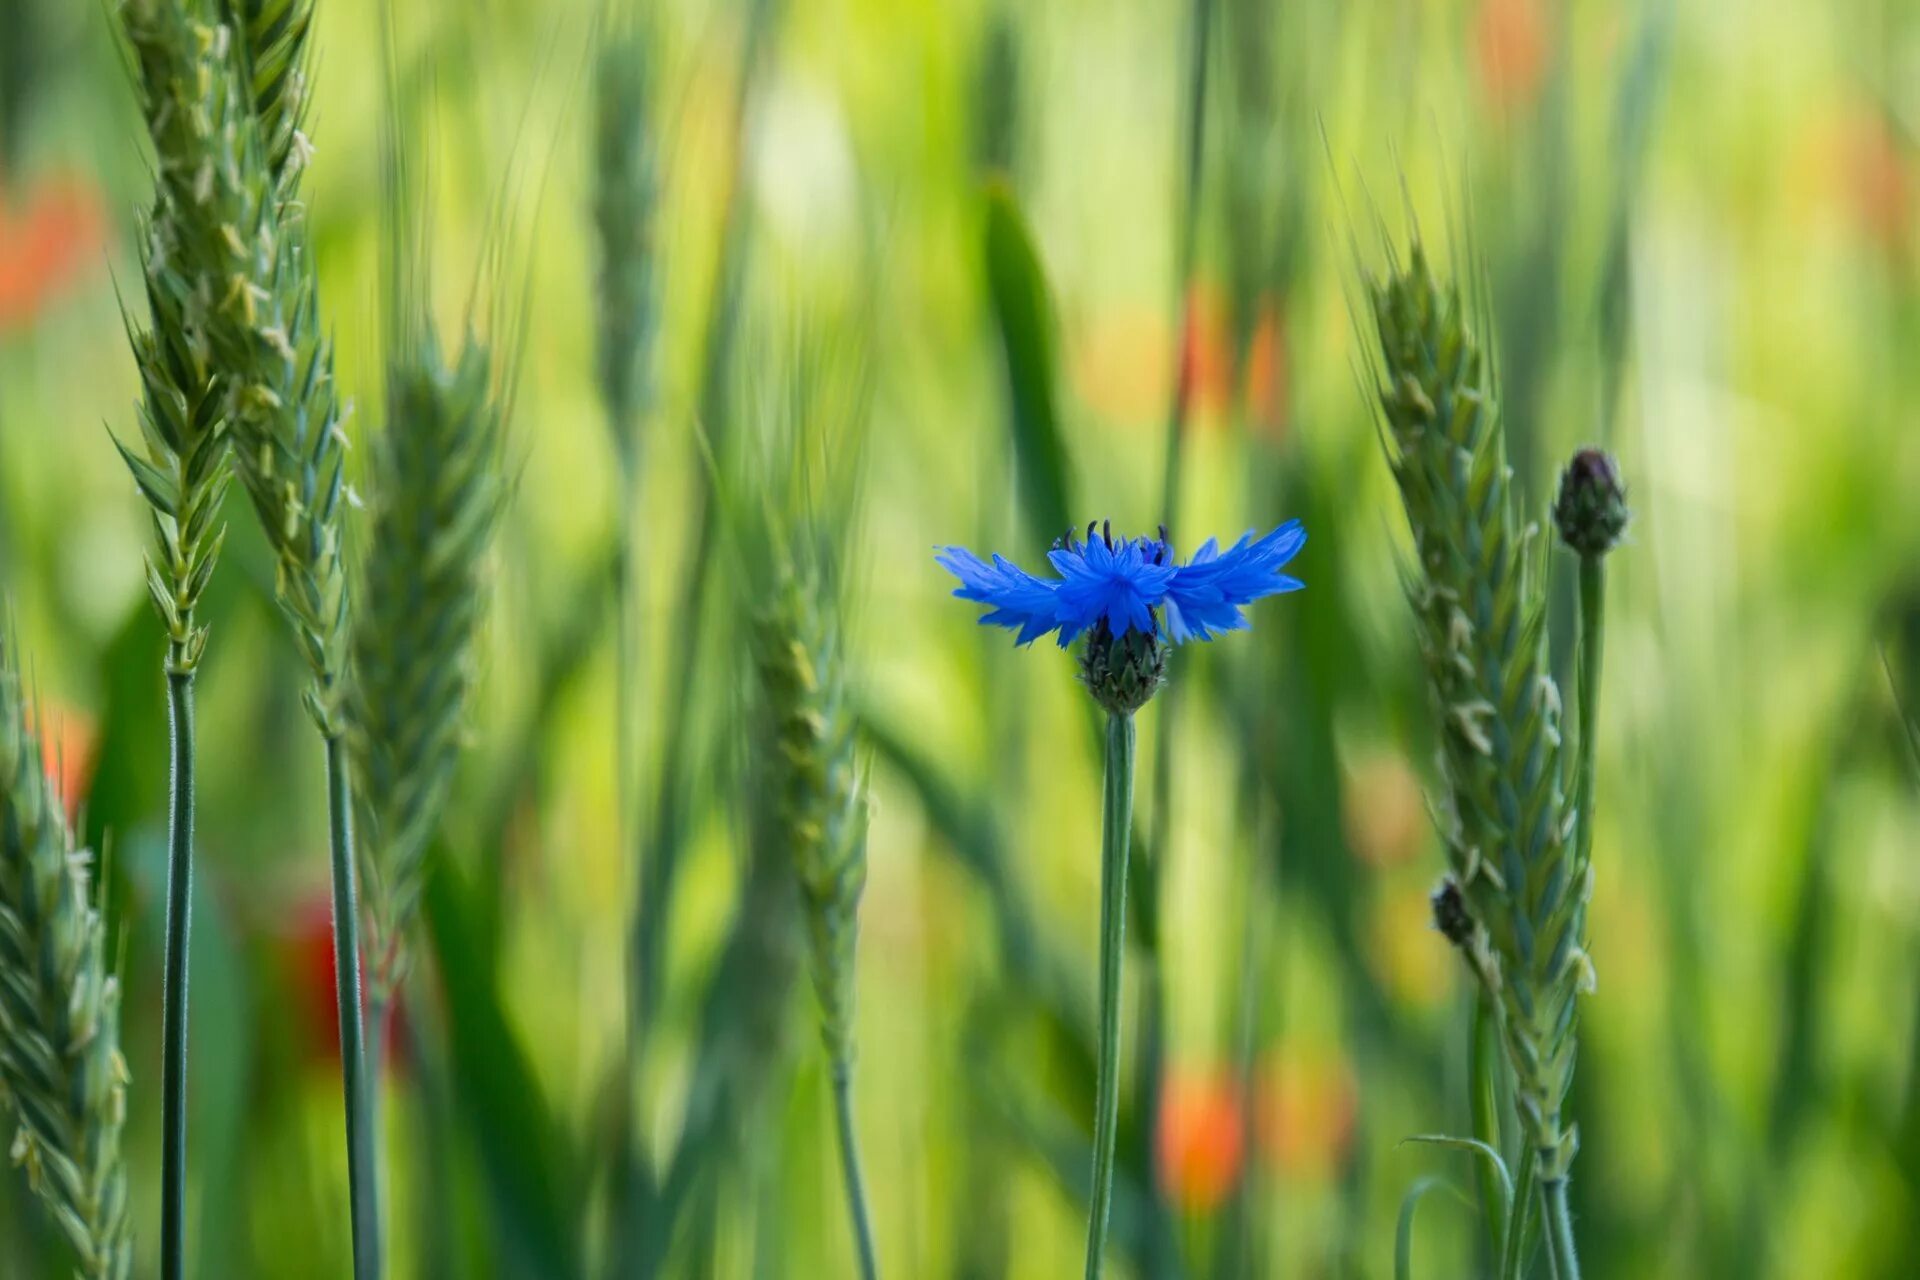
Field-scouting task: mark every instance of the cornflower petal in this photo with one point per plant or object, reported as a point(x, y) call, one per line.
point(1020, 602)
point(1206, 593)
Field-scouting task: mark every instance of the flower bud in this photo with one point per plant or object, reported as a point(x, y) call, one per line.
point(1591, 510)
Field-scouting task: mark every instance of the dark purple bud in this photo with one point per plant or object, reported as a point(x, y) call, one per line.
point(1591, 509)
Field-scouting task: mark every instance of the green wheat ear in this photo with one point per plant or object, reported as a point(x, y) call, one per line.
point(1478, 594)
point(437, 490)
point(795, 535)
point(238, 270)
point(820, 788)
point(61, 1071)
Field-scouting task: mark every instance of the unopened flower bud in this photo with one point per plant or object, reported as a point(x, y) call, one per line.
point(1591, 510)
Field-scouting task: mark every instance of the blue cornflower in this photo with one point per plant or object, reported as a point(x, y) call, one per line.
point(1130, 585)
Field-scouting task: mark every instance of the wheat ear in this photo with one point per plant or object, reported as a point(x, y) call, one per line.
point(436, 488)
point(61, 1072)
point(1477, 591)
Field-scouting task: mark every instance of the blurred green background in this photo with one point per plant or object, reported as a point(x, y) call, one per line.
point(1696, 229)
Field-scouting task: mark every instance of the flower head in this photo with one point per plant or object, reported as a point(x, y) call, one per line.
point(1591, 508)
point(1129, 585)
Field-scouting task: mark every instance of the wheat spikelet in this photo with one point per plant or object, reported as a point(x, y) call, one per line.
point(1477, 591)
point(273, 53)
point(183, 473)
point(233, 256)
point(60, 1064)
point(820, 795)
point(436, 488)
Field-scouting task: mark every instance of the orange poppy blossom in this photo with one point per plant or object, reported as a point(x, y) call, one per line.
point(1882, 184)
point(1305, 1102)
point(69, 738)
point(1510, 47)
point(1200, 1146)
point(46, 245)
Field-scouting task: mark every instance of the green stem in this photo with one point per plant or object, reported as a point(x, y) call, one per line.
point(173, 1017)
point(659, 859)
point(1116, 832)
point(1593, 634)
point(362, 1168)
point(1559, 1224)
point(1593, 630)
point(850, 1169)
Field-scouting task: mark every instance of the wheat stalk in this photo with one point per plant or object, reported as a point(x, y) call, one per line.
point(625, 203)
point(822, 817)
point(436, 487)
point(1477, 591)
point(61, 1071)
point(224, 109)
point(183, 474)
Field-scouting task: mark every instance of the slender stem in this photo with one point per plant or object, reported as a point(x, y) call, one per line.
point(1187, 238)
point(173, 1016)
point(1483, 1057)
point(1593, 635)
point(1116, 833)
point(1593, 630)
point(659, 859)
point(1559, 1224)
point(850, 1169)
point(363, 1170)
point(628, 593)
point(1181, 400)
point(379, 1009)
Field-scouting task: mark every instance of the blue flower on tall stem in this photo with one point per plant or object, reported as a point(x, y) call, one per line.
point(1132, 601)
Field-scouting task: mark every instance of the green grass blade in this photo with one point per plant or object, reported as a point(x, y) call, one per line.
point(1403, 1225)
point(521, 1146)
point(1489, 1159)
point(1023, 313)
point(1484, 1097)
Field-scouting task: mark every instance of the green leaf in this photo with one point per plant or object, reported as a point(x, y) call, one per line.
point(1523, 1221)
point(1023, 312)
point(1403, 1229)
point(1477, 1147)
point(1484, 1064)
point(530, 1176)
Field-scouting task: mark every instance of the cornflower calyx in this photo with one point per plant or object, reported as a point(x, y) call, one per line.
point(1123, 672)
point(1591, 509)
